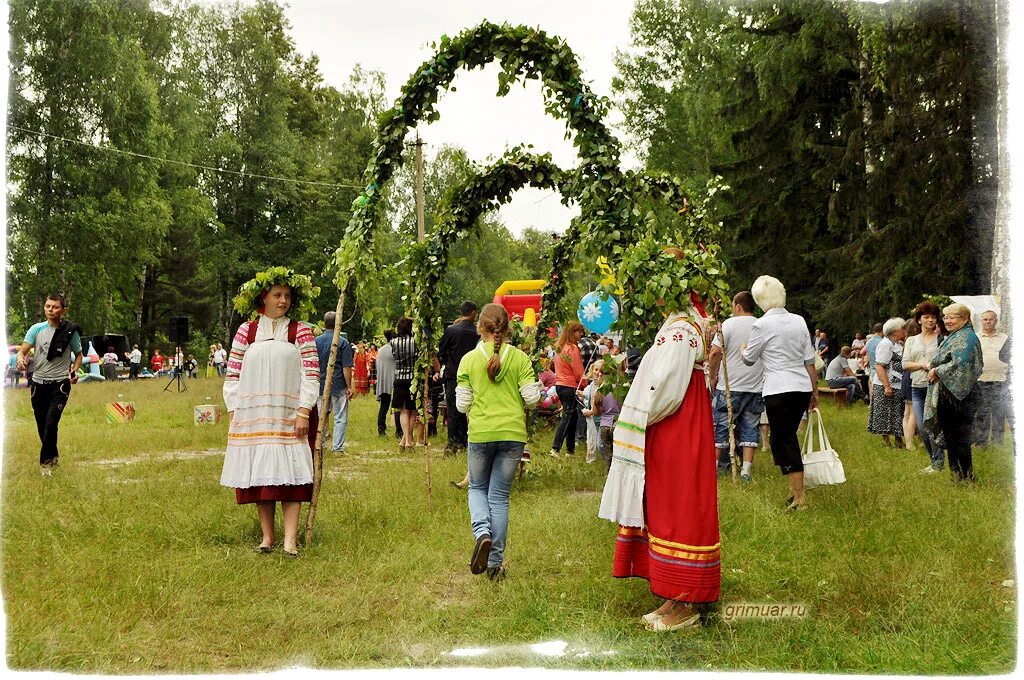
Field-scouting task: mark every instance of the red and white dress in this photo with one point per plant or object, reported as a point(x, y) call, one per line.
point(266, 383)
point(662, 488)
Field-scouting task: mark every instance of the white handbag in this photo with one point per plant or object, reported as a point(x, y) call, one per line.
point(821, 465)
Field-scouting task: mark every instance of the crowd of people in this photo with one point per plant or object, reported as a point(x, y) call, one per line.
point(967, 404)
point(699, 393)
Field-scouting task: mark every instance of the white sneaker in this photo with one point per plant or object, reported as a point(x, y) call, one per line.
point(47, 471)
point(928, 470)
point(553, 454)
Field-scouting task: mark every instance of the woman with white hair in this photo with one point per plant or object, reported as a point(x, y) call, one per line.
point(885, 417)
point(790, 388)
point(952, 390)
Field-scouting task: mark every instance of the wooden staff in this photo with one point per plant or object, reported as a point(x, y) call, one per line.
point(318, 450)
point(426, 439)
point(728, 407)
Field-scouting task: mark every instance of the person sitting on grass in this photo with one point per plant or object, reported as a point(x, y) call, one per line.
point(495, 384)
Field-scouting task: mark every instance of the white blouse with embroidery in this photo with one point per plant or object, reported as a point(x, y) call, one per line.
point(656, 393)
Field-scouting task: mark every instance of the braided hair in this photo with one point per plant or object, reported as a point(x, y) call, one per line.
point(494, 320)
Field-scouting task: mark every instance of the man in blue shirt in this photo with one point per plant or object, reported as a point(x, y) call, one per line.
point(871, 345)
point(341, 384)
point(53, 372)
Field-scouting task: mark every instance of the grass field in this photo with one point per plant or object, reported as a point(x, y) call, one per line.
point(132, 559)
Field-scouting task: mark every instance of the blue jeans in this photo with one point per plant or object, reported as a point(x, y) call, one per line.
point(746, 416)
point(492, 467)
point(850, 384)
point(339, 409)
point(936, 454)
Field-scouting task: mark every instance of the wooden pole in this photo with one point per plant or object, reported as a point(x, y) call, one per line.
point(318, 449)
point(422, 236)
point(728, 406)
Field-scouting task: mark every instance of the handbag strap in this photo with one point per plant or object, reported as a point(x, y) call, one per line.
point(809, 435)
point(822, 434)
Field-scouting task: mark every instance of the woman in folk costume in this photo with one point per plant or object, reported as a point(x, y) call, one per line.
point(662, 487)
point(270, 391)
point(361, 372)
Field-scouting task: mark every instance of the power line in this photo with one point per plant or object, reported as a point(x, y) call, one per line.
point(185, 163)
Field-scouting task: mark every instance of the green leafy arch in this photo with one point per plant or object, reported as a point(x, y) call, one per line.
point(458, 218)
point(523, 52)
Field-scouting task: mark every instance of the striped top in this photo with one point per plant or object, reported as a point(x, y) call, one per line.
point(404, 350)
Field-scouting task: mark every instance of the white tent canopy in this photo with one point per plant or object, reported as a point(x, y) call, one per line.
point(979, 304)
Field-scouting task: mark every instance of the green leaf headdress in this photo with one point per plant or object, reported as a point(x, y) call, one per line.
point(247, 302)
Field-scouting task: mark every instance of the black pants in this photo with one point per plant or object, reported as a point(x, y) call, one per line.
point(133, 371)
point(566, 430)
point(956, 420)
point(382, 417)
point(991, 408)
point(458, 423)
point(48, 402)
point(581, 425)
point(784, 414)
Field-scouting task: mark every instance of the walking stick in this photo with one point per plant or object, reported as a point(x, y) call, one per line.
point(728, 406)
point(318, 449)
point(426, 438)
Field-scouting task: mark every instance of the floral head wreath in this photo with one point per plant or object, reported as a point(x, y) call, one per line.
point(249, 300)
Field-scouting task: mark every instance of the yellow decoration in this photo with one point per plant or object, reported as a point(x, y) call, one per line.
point(609, 274)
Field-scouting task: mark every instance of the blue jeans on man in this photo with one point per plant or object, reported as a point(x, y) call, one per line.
point(746, 416)
point(339, 409)
point(492, 467)
point(850, 384)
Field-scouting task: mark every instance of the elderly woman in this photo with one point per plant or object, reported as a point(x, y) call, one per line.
point(885, 416)
point(917, 355)
point(952, 383)
point(790, 388)
point(271, 387)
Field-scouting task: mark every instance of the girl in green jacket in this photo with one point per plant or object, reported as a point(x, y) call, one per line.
point(496, 382)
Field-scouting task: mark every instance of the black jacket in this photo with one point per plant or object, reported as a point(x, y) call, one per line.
point(458, 340)
point(62, 338)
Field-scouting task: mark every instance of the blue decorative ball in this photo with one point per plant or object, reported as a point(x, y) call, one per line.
point(598, 312)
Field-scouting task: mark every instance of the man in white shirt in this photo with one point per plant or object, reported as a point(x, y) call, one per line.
point(134, 362)
point(745, 383)
point(991, 391)
point(220, 360)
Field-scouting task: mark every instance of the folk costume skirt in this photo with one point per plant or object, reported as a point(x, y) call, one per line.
point(285, 493)
point(679, 551)
point(360, 375)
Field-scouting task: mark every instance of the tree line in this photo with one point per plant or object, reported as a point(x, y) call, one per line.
point(217, 108)
point(858, 139)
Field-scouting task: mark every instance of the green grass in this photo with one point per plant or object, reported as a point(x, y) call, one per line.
point(132, 559)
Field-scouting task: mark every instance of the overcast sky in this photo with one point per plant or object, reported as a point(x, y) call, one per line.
point(394, 36)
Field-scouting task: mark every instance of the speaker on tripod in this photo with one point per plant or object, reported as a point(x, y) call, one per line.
point(178, 332)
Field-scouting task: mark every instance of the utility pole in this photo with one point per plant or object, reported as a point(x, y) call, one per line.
point(420, 220)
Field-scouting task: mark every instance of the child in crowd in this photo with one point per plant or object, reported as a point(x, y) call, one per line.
point(608, 407)
point(592, 409)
